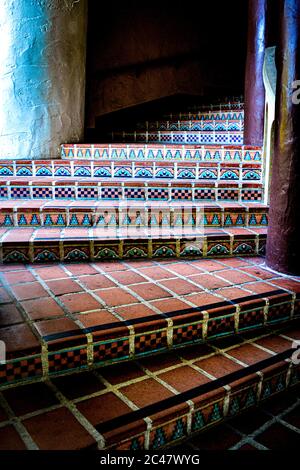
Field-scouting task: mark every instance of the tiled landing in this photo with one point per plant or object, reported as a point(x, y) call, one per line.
point(152, 402)
point(63, 318)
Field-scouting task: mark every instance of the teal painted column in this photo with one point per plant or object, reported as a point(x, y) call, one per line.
point(42, 76)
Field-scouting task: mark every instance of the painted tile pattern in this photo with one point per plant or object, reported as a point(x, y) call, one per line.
point(158, 152)
point(84, 243)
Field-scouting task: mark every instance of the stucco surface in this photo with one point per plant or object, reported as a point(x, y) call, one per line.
point(42, 76)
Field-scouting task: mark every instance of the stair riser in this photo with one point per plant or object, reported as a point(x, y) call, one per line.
point(208, 115)
point(203, 138)
point(162, 152)
point(190, 125)
point(126, 216)
point(86, 248)
point(102, 351)
point(140, 192)
point(232, 104)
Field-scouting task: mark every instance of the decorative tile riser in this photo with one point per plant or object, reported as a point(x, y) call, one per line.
point(142, 191)
point(162, 152)
point(134, 345)
point(126, 216)
point(216, 115)
point(209, 137)
point(48, 250)
point(207, 125)
point(247, 171)
point(204, 416)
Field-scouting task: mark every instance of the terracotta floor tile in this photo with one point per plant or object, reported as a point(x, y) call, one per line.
point(248, 354)
point(219, 438)
point(78, 385)
point(116, 296)
point(135, 311)
point(170, 305)
point(194, 352)
point(293, 417)
point(234, 262)
point(19, 277)
point(232, 293)
point(286, 283)
point(118, 373)
point(279, 437)
point(292, 331)
point(254, 260)
point(110, 266)
point(103, 408)
point(162, 361)
point(279, 403)
point(259, 272)
point(80, 302)
point(261, 287)
point(235, 277)
point(218, 365)
point(10, 439)
point(208, 281)
point(31, 290)
point(59, 325)
point(29, 398)
point(202, 300)
point(145, 392)
point(180, 286)
point(97, 281)
point(9, 315)
point(156, 273)
point(99, 317)
point(81, 269)
point(250, 421)
point(274, 343)
point(208, 265)
point(4, 296)
point(183, 378)
point(150, 291)
point(18, 338)
point(185, 269)
point(127, 277)
point(64, 286)
point(45, 307)
point(58, 430)
point(51, 272)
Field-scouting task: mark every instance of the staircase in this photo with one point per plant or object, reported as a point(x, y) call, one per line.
point(171, 322)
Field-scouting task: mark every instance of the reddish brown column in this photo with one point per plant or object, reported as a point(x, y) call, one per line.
point(283, 253)
point(254, 85)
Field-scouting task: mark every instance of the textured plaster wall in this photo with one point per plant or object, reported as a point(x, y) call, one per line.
point(42, 76)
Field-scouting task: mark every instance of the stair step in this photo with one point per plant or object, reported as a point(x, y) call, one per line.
point(126, 213)
point(208, 137)
point(154, 401)
point(49, 244)
point(103, 312)
point(215, 153)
